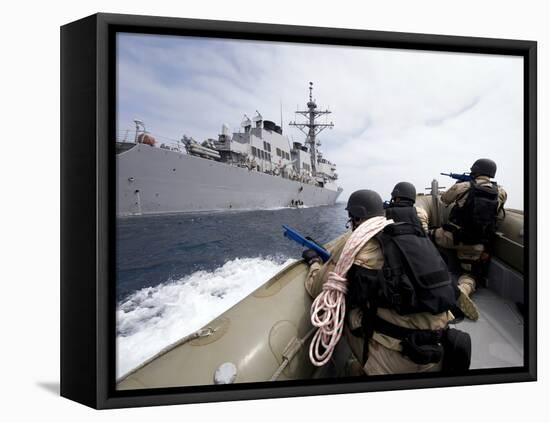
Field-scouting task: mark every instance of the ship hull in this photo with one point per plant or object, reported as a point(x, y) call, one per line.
point(155, 181)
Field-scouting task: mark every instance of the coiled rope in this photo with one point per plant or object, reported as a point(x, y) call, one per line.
point(329, 308)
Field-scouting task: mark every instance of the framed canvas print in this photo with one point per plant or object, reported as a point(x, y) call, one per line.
point(256, 211)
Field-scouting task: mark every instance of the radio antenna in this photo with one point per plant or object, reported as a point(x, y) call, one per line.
point(310, 128)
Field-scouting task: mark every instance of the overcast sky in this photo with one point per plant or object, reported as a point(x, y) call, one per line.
point(398, 114)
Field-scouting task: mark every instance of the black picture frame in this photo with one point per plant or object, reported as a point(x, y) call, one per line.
point(88, 217)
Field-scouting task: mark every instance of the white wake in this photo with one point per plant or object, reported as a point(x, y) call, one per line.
point(155, 317)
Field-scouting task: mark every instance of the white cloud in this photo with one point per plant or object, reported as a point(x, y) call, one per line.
point(398, 114)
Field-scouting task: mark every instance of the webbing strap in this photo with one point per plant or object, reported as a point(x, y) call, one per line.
point(399, 332)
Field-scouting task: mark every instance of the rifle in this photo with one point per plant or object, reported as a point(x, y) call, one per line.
point(462, 177)
point(306, 242)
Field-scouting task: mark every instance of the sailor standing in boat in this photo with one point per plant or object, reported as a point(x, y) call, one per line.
point(391, 322)
point(477, 207)
point(402, 209)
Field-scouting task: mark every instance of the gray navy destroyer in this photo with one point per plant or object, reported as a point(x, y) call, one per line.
point(255, 168)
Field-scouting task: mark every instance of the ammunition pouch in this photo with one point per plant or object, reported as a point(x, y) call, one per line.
point(420, 346)
point(431, 346)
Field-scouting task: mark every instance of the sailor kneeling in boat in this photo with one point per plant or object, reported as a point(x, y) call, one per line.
point(398, 293)
point(477, 208)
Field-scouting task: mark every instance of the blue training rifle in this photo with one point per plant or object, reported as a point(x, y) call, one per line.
point(305, 242)
point(462, 177)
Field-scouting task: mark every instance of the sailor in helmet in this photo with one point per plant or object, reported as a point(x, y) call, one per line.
point(391, 323)
point(402, 208)
point(477, 206)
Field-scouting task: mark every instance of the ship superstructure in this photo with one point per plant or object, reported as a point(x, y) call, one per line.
point(255, 167)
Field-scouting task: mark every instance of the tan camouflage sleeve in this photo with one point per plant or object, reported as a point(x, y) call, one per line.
point(423, 217)
point(314, 284)
point(370, 256)
point(502, 196)
point(454, 192)
point(318, 272)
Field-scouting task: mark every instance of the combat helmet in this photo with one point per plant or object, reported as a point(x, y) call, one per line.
point(485, 167)
point(404, 190)
point(364, 204)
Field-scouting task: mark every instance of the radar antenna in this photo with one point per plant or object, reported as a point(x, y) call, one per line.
point(310, 128)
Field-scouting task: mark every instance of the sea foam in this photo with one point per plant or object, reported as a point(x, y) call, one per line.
point(155, 317)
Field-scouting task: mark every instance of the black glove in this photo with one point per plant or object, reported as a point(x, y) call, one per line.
point(311, 256)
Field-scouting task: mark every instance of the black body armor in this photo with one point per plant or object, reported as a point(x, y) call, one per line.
point(405, 212)
point(413, 279)
point(477, 218)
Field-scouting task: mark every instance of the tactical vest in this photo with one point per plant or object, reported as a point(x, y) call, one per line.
point(477, 218)
point(414, 278)
point(403, 213)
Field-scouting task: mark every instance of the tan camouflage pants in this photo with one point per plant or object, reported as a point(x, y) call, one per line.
point(445, 239)
point(385, 361)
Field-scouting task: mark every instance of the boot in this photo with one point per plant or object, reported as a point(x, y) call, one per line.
point(466, 305)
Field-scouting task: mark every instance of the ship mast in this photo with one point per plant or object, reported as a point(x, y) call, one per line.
point(311, 114)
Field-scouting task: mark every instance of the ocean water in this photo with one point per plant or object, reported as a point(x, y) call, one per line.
point(175, 273)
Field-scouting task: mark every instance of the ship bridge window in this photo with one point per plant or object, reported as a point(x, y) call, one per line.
point(254, 151)
point(287, 155)
point(267, 146)
point(278, 151)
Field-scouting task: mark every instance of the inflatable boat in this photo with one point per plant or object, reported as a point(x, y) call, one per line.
point(265, 337)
